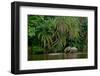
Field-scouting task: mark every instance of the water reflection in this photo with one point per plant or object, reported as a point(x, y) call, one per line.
point(55, 56)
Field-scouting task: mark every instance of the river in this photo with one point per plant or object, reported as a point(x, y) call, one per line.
point(55, 56)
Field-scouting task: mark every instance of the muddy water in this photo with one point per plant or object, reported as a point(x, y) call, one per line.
point(55, 56)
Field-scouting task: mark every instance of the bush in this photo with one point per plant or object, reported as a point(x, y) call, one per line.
point(37, 50)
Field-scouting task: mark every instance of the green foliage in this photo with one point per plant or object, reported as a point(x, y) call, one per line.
point(83, 33)
point(54, 33)
point(37, 50)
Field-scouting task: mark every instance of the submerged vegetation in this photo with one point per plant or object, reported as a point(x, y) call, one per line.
point(52, 34)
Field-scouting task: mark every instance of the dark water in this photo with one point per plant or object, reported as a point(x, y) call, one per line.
point(55, 56)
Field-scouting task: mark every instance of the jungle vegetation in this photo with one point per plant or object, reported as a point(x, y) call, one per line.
point(52, 34)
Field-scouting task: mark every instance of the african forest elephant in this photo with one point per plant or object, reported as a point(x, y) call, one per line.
point(70, 49)
point(67, 49)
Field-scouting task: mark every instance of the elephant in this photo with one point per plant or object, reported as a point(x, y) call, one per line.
point(70, 49)
point(73, 50)
point(67, 49)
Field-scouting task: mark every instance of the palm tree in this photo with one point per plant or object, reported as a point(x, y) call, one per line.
point(66, 28)
point(45, 34)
